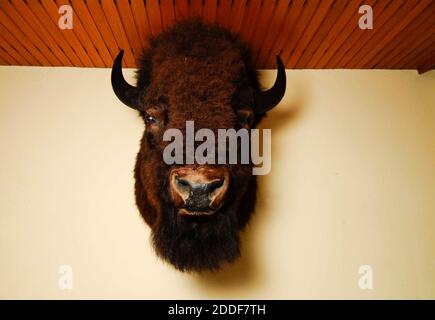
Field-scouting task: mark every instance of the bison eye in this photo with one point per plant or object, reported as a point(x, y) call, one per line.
point(150, 119)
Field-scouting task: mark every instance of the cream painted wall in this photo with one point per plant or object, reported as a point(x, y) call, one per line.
point(352, 183)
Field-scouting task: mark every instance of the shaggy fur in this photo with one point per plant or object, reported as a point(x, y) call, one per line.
point(201, 73)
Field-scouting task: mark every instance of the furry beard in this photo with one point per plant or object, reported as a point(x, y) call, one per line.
point(193, 245)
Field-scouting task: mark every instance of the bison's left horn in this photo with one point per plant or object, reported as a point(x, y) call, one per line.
point(125, 92)
point(266, 100)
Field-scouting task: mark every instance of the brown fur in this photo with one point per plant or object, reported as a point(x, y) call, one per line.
point(200, 73)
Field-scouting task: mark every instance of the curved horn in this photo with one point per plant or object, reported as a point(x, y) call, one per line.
point(125, 92)
point(266, 100)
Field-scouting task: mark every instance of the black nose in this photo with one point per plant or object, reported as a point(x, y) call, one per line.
point(200, 195)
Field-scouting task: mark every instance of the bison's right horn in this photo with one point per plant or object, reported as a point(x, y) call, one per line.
point(266, 100)
point(125, 92)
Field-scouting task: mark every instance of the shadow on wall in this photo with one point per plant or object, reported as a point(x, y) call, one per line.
point(246, 273)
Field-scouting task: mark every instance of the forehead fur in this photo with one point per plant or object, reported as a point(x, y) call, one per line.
point(194, 66)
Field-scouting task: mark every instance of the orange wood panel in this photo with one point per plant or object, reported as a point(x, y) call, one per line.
point(195, 9)
point(210, 10)
point(8, 58)
point(181, 10)
point(9, 38)
point(333, 15)
point(168, 13)
point(250, 20)
point(28, 14)
point(131, 32)
point(303, 21)
point(308, 34)
point(223, 13)
point(406, 39)
point(262, 25)
point(31, 34)
point(153, 9)
point(55, 31)
point(336, 31)
point(362, 39)
point(52, 10)
point(105, 30)
point(237, 14)
point(84, 38)
point(83, 13)
point(350, 34)
point(12, 52)
point(118, 31)
point(286, 34)
point(410, 12)
point(10, 27)
point(305, 33)
point(410, 58)
point(416, 40)
point(141, 20)
point(273, 32)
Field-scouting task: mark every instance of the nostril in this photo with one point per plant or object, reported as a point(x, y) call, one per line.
point(213, 186)
point(184, 184)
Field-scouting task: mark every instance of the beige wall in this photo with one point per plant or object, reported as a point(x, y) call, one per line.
point(352, 183)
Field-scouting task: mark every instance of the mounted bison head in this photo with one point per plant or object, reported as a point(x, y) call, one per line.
point(201, 73)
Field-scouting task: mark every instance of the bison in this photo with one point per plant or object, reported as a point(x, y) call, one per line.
point(201, 73)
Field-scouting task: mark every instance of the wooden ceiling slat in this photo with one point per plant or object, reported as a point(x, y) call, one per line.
point(273, 32)
point(210, 10)
point(83, 37)
point(323, 31)
point(262, 25)
point(181, 10)
point(359, 38)
point(8, 37)
point(105, 30)
point(413, 60)
point(2, 61)
point(195, 9)
point(426, 62)
point(55, 32)
point(31, 35)
point(13, 29)
point(309, 32)
point(154, 17)
point(168, 13)
point(237, 13)
point(384, 22)
point(406, 39)
point(338, 35)
point(24, 11)
point(83, 13)
point(131, 32)
point(305, 33)
point(52, 10)
point(405, 61)
point(12, 52)
point(250, 20)
point(223, 13)
point(410, 13)
point(141, 19)
point(295, 10)
point(118, 31)
point(398, 55)
point(8, 58)
point(308, 11)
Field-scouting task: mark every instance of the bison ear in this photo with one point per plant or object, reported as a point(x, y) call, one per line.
point(266, 100)
point(125, 92)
